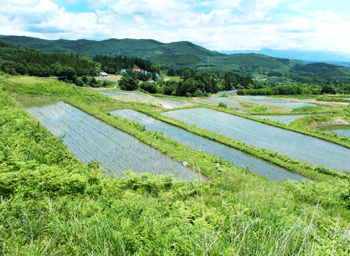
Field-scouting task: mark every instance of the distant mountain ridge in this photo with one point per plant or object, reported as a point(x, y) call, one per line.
point(185, 54)
point(334, 58)
point(145, 48)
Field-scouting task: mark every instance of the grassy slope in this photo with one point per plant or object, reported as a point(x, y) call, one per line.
point(55, 205)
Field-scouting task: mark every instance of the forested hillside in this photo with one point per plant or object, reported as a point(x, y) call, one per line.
point(186, 54)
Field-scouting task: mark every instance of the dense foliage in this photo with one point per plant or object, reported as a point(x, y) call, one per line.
point(23, 61)
point(71, 67)
point(113, 65)
point(294, 90)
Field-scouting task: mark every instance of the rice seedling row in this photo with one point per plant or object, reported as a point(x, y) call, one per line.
point(201, 144)
point(295, 145)
point(92, 140)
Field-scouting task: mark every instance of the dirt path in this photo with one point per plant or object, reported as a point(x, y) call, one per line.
point(165, 104)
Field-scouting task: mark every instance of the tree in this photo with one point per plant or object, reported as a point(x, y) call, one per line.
point(128, 83)
point(327, 88)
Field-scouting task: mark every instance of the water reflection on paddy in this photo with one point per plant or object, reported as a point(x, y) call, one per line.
point(199, 143)
point(295, 145)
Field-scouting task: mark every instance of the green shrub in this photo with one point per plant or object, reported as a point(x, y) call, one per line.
point(222, 105)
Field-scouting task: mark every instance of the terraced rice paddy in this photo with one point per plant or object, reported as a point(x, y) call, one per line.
point(113, 94)
point(340, 130)
point(279, 102)
point(228, 92)
point(295, 145)
point(92, 140)
point(216, 101)
point(285, 119)
point(174, 102)
point(196, 142)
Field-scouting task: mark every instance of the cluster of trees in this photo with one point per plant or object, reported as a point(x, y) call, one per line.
point(192, 84)
point(295, 89)
point(15, 60)
point(71, 67)
point(233, 81)
point(113, 65)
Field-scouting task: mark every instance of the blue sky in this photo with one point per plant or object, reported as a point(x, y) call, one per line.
point(216, 25)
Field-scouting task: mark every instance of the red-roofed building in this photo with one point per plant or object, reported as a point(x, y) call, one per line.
point(137, 70)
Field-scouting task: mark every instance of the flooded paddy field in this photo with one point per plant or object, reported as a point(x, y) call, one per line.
point(341, 130)
point(92, 140)
point(216, 101)
point(122, 93)
point(284, 119)
point(174, 102)
point(295, 145)
point(279, 102)
point(237, 157)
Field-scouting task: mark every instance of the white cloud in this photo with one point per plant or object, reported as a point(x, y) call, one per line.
point(217, 25)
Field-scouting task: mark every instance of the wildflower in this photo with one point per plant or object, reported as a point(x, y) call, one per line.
point(24, 220)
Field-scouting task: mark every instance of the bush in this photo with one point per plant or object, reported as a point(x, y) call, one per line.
point(222, 105)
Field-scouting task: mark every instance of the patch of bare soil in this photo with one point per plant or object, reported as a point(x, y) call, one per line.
point(245, 103)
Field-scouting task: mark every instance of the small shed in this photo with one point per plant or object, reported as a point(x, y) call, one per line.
point(123, 71)
point(103, 74)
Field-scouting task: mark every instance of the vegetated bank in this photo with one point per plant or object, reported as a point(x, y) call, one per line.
point(52, 204)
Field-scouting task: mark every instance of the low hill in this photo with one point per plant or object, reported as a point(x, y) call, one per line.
point(145, 48)
point(177, 61)
point(303, 55)
point(314, 67)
